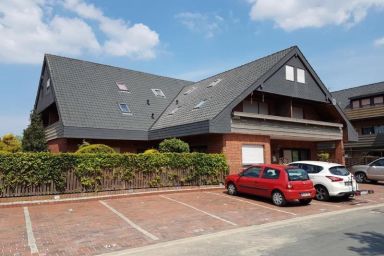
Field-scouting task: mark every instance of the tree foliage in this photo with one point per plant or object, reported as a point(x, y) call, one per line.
point(173, 146)
point(95, 148)
point(10, 143)
point(34, 136)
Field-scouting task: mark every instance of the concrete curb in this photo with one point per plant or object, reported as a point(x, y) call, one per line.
point(266, 226)
point(104, 197)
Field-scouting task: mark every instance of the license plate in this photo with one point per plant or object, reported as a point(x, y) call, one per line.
point(348, 183)
point(305, 194)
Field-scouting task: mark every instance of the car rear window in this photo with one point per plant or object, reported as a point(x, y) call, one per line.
point(297, 174)
point(339, 170)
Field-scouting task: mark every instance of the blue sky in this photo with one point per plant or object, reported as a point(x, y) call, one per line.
point(343, 40)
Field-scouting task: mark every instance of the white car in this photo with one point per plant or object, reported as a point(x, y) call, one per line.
point(329, 179)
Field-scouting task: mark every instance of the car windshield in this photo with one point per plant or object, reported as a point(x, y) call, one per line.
point(297, 174)
point(339, 170)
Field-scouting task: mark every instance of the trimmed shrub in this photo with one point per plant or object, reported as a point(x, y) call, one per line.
point(151, 151)
point(173, 146)
point(95, 149)
point(10, 143)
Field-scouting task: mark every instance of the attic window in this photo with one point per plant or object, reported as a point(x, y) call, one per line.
point(301, 75)
point(124, 108)
point(122, 86)
point(173, 111)
point(158, 93)
point(289, 73)
point(214, 83)
point(48, 83)
point(189, 91)
point(200, 104)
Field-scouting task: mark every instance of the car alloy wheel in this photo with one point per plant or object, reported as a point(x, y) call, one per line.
point(278, 198)
point(322, 193)
point(361, 177)
point(232, 189)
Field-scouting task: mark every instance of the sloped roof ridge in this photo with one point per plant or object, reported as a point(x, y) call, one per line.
point(357, 87)
point(248, 63)
point(111, 66)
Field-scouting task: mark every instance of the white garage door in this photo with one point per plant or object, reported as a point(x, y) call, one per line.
point(252, 154)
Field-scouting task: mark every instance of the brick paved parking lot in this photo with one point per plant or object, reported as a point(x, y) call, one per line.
point(97, 227)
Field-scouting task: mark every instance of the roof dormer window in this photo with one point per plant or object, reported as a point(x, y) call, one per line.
point(158, 93)
point(189, 91)
point(173, 111)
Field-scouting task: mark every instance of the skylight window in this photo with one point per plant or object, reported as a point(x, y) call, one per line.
point(214, 83)
point(124, 108)
point(173, 111)
point(189, 91)
point(200, 104)
point(122, 86)
point(158, 93)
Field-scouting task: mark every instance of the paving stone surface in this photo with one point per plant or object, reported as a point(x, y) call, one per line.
point(96, 227)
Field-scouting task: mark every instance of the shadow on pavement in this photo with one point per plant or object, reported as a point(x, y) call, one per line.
point(372, 243)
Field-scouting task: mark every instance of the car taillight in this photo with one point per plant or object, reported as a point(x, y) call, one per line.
point(334, 179)
point(289, 186)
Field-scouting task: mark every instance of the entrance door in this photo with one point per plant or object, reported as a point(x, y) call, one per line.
point(293, 155)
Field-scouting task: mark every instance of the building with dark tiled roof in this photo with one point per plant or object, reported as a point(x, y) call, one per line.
point(364, 107)
point(274, 109)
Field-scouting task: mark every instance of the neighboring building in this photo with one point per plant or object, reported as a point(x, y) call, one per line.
point(364, 107)
point(274, 109)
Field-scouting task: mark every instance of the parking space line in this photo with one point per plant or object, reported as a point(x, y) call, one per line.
point(245, 201)
point(207, 213)
point(31, 238)
point(322, 203)
point(132, 224)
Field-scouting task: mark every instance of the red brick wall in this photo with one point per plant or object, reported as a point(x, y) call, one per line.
point(232, 145)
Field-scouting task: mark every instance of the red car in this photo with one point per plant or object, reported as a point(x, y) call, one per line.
point(281, 183)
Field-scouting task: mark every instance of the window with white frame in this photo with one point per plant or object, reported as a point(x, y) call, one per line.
point(124, 108)
point(48, 83)
point(300, 75)
point(289, 73)
point(158, 93)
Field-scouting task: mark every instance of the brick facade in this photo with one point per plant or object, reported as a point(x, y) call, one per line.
point(232, 146)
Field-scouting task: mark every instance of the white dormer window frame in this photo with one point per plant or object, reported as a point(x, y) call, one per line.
point(122, 86)
point(174, 111)
point(158, 93)
point(300, 75)
point(289, 73)
point(190, 90)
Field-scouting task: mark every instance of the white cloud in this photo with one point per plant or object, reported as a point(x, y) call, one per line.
point(207, 24)
point(296, 14)
point(29, 29)
point(379, 42)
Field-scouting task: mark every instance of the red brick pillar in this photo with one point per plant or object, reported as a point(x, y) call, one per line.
point(339, 152)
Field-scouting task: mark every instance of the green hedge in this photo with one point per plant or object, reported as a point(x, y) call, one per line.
point(32, 169)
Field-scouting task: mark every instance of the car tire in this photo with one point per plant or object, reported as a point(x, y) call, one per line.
point(231, 189)
point(322, 193)
point(305, 201)
point(278, 198)
point(373, 181)
point(361, 177)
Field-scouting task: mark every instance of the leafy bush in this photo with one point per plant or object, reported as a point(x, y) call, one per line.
point(151, 151)
point(10, 143)
point(323, 156)
point(148, 170)
point(173, 146)
point(95, 149)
